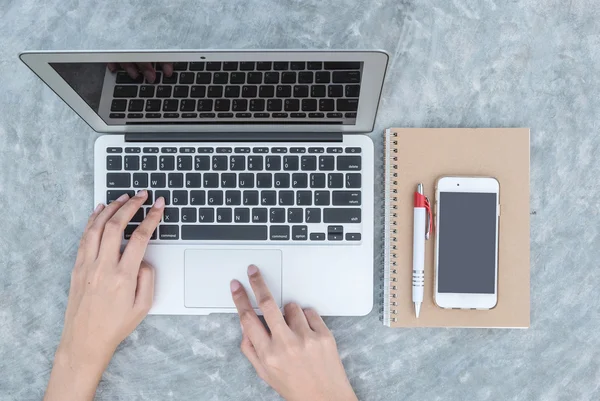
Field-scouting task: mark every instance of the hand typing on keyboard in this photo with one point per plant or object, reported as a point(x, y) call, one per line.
point(146, 69)
point(297, 356)
point(111, 293)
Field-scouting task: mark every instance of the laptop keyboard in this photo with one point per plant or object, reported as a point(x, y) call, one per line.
point(259, 193)
point(288, 91)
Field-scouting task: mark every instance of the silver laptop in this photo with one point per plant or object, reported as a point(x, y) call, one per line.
point(261, 156)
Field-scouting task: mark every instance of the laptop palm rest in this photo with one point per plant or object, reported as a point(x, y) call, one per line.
point(209, 272)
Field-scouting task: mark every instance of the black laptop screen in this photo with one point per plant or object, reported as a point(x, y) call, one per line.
point(247, 92)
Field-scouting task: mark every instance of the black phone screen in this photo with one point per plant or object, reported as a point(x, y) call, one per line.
point(467, 242)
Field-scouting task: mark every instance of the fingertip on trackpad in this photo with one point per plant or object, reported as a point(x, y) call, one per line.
point(208, 273)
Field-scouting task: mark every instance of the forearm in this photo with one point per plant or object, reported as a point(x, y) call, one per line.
point(70, 380)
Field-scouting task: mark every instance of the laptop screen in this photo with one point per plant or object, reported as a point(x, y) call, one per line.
point(213, 92)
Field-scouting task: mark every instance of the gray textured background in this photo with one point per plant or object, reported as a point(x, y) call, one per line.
point(453, 64)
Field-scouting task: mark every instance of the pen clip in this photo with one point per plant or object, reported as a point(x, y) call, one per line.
point(428, 218)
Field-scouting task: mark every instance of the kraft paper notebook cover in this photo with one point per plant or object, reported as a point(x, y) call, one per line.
point(414, 155)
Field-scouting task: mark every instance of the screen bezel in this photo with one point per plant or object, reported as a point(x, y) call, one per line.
point(469, 185)
point(375, 65)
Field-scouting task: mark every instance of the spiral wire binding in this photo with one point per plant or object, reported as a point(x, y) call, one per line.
point(391, 207)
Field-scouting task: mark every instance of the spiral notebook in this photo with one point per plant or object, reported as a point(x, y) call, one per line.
point(414, 155)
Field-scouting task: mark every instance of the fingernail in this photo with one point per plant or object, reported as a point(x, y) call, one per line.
point(141, 193)
point(123, 198)
point(234, 285)
point(98, 208)
point(252, 270)
point(160, 202)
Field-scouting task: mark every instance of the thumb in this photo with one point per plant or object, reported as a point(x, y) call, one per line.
point(144, 293)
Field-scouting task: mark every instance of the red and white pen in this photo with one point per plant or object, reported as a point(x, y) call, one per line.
point(422, 227)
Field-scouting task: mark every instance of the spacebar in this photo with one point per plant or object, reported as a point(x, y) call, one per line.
point(224, 232)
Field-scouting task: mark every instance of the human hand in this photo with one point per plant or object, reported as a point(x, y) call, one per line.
point(299, 357)
point(146, 68)
point(111, 293)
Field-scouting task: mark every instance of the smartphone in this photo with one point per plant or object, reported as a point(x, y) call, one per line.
point(467, 211)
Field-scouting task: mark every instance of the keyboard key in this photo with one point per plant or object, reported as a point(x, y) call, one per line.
point(277, 215)
point(242, 150)
point(206, 150)
point(247, 65)
point(295, 215)
point(158, 180)
point(228, 180)
point(275, 105)
point(342, 65)
point(254, 78)
point(271, 77)
point(132, 150)
point(273, 163)
point(197, 198)
point(214, 198)
point(299, 233)
point(207, 115)
point(146, 91)
point(204, 105)
point(326, 163)
point(167, 163)
point(243, 115)
point(153, 115)
point(206, 215)
point(118, 105)
point(211, 180)
point(233, 197)
point(113, 195)
point(246, 180)
point(188, 215)
point(297, 65)
point(180, 66)
point(305, 77)
point(300, 90)
point(222, 105)
point(326, 105)
point(140, 180)
point(184, 163)
point(165, 194)
point(346, 77)
point(213, 66)
point(347, 104)
point(132, 163)
point(297, 150)
point(224, 215)
point(279, 233)
point(280, 65)
point(239, 105)
point(292, 105)
point(215, 91)
point(232, 91)
point(153, 104)
point(335, 150)
point(353, 150)
point(308, 163)
point(342, 215)
point(129, 230)
point(198, 91)
point(309, 104)
point(168, 231)
point(187, 78)
point(288, 78)
point(317, 180)
point(335, 180)
point(322, 198)
point(180, 198)
point(353, 236)
point(286, 198)
point(255, 163)
point(263, 66)
point(316, 150)
point(299, 180)
point(268, 198)
point(203, 78)
point(224, 232)
point(323, 77)
point(335, 115)
point(259, 215)
point(353, 180)
point(197, 66)
point(187, 105)
point(318, 90)
point(116, 115)
point(279, 150)
point(313, 215)
point(314, 65)
point(251, 91)
point(125, 91)
point(346, 198)
point(168, 149)
point(346, 163)
point(115, 149)
point(291, 163)
point(124, 78)
point(266, 91)
point(163, 91)
point(260, 150)
point(316, 115)
point(352, 90)
point(135, 115)
point(237, 78)
point(220, 78)
point(335, 91)
point(335, 236)
point(284, 91)
point(181, 91)
point(138, 217)
point(230, 66)
point(118, 180)
point(202, 163)
point(317, 236)
point(171, 115)
point(303, 198)
point(225, 115)
point(241, 215)
point(250, 198)
point(175, 180)
point(114, 162)
point(219, 163)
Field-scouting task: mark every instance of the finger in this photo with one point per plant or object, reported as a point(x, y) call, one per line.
point(167, 68)
point(148, 71)
point(294, 316)
point(113, 230)
point(250, 352)
point(81, 250)
point(315, 321)
point(94, 234)
point(144, 293)
point(250, 322)
point(131, 69)
point(138, 243)
point(265, 301)
point(112, 67)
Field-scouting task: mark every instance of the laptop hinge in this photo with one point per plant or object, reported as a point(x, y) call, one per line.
point(233, 137)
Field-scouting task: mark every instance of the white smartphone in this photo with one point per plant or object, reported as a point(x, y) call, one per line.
point(467, 211)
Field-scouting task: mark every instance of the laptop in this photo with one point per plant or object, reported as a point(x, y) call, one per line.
point(262, 157)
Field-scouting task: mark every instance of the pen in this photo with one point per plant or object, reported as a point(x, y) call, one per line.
point(420, 234)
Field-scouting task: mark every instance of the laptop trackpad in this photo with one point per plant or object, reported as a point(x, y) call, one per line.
point(208, 273)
